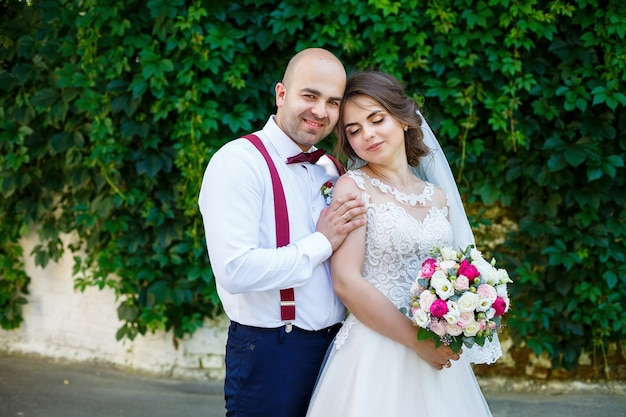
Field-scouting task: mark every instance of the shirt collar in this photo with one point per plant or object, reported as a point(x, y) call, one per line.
point(283, 144)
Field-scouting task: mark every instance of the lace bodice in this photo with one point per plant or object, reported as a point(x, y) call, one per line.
point(401, 231)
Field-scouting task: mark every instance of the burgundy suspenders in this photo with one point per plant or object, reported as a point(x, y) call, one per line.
point(287, 296)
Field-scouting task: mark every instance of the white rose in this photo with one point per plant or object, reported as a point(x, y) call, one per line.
point(502, 291)
point(446, 265)
point(503, 276)
point(448, 253)
point(422, 318)
point(470, 329)
point(468, 302)
point(487, 272)
point(475, 254)
point(490, 313)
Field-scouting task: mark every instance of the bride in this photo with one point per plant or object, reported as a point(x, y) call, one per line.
point(376, 366)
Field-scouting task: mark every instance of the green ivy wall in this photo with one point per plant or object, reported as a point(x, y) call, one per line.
point(110, 111)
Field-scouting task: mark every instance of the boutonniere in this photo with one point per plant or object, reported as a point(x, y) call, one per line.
point(327, 191)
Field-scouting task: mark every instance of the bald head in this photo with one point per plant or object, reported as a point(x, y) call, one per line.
point(308, 98)
point(308, 58)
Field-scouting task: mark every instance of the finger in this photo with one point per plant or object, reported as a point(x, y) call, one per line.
point(348, 204)
point(346, 199)
point(353, 224)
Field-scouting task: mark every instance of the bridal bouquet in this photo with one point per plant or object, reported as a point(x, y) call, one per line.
point(458, 298)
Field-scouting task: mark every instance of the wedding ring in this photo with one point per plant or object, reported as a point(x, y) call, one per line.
point(345, 217)
point(447, 364)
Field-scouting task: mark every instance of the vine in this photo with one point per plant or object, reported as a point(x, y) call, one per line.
point(109, 112)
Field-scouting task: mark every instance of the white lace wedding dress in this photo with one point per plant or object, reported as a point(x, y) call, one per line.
point(367, 374)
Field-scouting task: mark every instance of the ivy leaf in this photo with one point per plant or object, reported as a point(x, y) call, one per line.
point(574, 156)
point(489, 193)
point(25, 46)
point(117, 86)
point(7, 80)
point(62, 141)
point(45, 97)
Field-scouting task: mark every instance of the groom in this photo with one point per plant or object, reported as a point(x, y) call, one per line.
point(272, 361)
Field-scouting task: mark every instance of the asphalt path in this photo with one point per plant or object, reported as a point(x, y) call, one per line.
point(40, 387)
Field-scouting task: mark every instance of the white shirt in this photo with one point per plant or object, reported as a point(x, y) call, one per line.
point(237, 205)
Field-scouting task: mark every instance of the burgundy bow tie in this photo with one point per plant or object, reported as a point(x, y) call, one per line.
point(310, 157)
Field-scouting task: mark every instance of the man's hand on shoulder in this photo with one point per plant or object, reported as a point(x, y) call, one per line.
point(345, 213)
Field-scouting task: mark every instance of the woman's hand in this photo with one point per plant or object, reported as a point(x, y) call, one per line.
point(438, 357)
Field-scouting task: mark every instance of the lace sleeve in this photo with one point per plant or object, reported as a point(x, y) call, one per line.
point(358, 178)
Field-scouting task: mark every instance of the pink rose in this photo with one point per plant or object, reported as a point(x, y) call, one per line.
point(428, 268)
point(466, 318)
point(499, 305)
point(454, 329)
point(426, 300)
point(487, 292)
point(468, 270)
point(438, 327)
point(461, 283)
point(439, 308)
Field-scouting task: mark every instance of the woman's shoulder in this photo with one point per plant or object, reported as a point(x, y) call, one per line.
point(354, 177)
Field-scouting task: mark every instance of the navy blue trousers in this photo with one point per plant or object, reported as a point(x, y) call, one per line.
point(271, 373)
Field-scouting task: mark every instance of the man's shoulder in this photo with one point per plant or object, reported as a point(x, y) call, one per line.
point(238, 144)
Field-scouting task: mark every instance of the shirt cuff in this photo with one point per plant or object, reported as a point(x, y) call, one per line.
point(317, 247)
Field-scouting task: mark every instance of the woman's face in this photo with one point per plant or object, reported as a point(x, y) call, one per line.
point(374, 135)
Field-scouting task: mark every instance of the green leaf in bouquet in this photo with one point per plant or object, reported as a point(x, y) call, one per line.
point(424, 334)
point(456, 343)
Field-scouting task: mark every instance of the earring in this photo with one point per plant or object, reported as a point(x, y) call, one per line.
point(406, 128)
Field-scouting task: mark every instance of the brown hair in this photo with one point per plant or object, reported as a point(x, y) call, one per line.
point(389, 93)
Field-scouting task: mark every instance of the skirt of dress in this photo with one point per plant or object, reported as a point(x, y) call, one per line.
point(372, 375)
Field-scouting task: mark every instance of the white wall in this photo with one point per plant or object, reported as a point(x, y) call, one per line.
point(63, 323)
point(66, 324)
